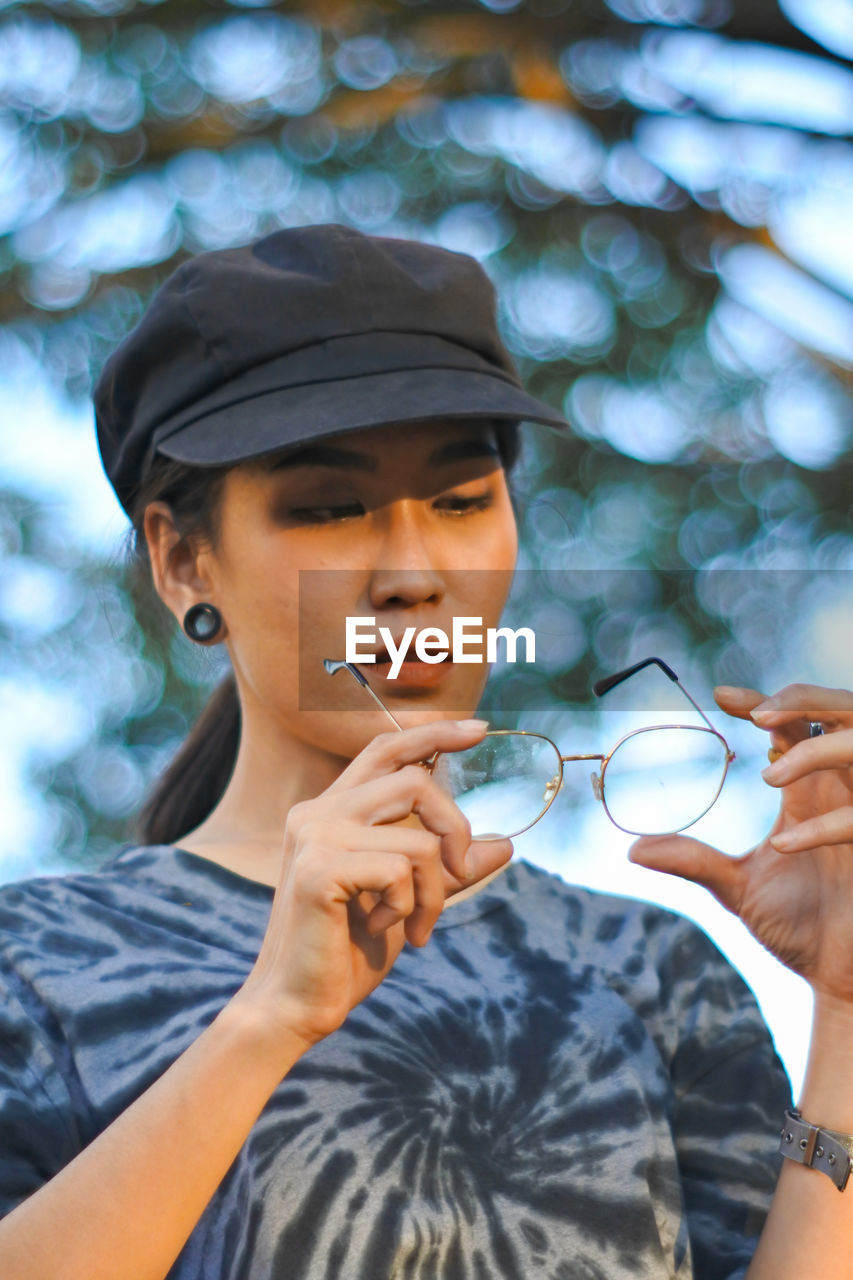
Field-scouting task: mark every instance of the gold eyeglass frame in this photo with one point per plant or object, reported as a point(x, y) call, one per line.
point(554, 786)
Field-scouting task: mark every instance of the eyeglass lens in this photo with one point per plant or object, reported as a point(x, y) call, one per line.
point(659, 781)
point(504, 783)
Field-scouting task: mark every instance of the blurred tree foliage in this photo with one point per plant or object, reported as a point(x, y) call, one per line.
point(645, 181)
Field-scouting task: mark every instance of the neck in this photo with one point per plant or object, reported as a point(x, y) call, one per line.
point(274, 770)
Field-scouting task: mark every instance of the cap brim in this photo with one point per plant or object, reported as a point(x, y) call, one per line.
point(250, 427)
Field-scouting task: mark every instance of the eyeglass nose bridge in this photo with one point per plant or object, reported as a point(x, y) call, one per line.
point(595, 778)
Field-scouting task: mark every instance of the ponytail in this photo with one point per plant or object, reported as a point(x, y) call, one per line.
point(194, 781)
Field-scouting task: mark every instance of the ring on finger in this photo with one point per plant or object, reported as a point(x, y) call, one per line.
point(815, 731)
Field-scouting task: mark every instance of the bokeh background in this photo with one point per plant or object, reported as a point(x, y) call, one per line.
point(661, 192)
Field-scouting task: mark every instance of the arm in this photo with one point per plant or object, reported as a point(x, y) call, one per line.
point(809, 1230)
point(352, 890)
point(794, 892)
point(126, 1205)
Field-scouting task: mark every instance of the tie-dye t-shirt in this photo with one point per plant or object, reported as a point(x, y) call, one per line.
point(562, 1084)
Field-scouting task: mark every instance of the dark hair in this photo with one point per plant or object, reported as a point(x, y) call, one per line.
point(195, 779)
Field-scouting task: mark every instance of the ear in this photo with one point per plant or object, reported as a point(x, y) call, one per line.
point(179, 569)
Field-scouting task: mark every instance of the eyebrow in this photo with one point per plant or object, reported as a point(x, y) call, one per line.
point(320, 455)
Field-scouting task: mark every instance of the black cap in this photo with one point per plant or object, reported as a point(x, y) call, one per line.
point(308, 332)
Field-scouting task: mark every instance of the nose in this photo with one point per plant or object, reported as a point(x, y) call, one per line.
point(404, 572)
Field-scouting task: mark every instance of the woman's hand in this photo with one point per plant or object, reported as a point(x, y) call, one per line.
point(794, 890)
point(353, 889)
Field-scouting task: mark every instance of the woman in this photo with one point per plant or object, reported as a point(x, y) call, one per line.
point(220, 1058)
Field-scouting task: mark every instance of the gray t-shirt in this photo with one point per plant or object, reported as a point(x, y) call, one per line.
point(562, 1084)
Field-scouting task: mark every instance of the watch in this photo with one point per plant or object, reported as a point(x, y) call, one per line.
point(817, 1148)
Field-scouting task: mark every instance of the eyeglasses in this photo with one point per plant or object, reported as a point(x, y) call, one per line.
point(655, 781)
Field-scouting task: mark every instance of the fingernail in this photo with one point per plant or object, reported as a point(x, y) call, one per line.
point(726, 690)
point(775, 772)
point(468, 867)
point(470, 725)
point(763, 712)
point(783, 841)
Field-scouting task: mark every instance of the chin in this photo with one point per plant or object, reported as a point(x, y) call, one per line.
point(343, 734)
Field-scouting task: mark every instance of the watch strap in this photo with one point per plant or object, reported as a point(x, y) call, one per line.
point(817, 1148)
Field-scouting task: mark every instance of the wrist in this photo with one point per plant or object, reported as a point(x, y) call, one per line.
point(265, 1041)
point(826, 1097)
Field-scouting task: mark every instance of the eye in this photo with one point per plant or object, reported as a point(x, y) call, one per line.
point(326, 514)
point(458, 504)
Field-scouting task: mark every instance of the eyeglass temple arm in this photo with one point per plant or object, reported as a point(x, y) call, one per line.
point(332, 666)
point(610, 682)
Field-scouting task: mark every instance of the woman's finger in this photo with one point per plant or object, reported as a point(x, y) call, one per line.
point(392, 798)
point(832, 707)
point(693, 860)
point(429, 890)
point(427, 905)
point(485, 857)
point(741, 702)
point(835, 827)
point(356, 841)
point(431, 898)
point(433, 883)
point(828, 751)
point(738, 701)
point(412, 790)
point(392, 750)
point(390, 876)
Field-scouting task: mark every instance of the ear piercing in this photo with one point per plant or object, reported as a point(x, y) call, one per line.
point(203, 623)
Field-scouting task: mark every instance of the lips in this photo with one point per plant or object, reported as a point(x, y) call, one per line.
point(413, 673)
point(382, 654)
